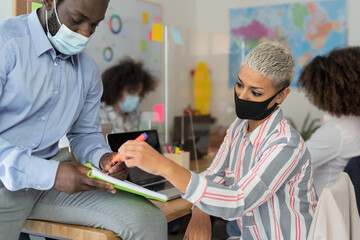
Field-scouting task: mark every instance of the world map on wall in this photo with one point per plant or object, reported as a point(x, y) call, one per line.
point(307, 29)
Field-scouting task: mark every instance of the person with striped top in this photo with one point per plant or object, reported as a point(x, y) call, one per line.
point(262, 173)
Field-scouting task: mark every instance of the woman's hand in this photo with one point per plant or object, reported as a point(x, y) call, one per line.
point(199, 227)
point(142, 155)
point(145, 157)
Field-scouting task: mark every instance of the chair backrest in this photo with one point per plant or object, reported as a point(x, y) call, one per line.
point(106, 128)
point(352, 168)
point(336, 216)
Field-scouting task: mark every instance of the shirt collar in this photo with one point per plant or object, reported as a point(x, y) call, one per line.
point(264, 128)
point(39, 39)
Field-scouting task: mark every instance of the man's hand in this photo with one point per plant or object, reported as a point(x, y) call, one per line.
point(119, 170)
point(199, 227)
point(71, 178)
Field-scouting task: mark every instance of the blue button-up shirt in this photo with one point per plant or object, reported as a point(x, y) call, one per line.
point(44, 96)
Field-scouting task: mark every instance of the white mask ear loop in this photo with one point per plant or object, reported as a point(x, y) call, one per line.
point(57, 17)
point(47, 26)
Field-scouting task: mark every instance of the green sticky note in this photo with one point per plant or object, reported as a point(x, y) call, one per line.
point(35, 6)
point(143, 45)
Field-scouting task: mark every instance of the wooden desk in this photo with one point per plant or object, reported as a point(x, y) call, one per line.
point(178, 208)
point(172, 210)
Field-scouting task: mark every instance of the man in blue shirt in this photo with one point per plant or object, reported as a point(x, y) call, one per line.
point(48, 88)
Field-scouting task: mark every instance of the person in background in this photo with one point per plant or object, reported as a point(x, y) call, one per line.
point(332, 83)
point(125, 85)
point(49, 87)
point(262, 173)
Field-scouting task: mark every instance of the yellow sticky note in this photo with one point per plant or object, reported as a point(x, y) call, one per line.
point(157, 32)
point(34, 6)
point(145, 17)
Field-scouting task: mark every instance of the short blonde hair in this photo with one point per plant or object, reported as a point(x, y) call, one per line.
point(273, 61)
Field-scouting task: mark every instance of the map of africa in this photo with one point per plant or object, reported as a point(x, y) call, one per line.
point(307, 29)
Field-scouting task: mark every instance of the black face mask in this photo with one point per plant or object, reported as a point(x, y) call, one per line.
point(254, 110)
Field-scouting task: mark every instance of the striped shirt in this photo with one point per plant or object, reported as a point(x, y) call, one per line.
point(262, 179)
point(109, 115)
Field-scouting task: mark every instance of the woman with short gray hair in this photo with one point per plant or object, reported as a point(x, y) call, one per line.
point(262, 173)
point(273, 61)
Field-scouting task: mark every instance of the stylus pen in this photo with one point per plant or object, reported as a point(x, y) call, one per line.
point(140, 138)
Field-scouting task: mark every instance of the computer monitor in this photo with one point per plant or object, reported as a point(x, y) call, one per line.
point(136, 175)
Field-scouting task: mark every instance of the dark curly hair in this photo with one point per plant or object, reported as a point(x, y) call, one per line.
point(332, 82)
point(128, 75)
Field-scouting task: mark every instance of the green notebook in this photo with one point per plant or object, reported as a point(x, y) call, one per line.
point(125, 185)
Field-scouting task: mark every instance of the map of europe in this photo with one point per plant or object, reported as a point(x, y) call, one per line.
point(307, 29)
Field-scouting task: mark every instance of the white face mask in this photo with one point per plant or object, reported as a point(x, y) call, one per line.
point(65, 40)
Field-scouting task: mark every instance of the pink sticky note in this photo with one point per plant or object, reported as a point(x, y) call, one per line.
point(150, 35)
point(159, 113)
point(157, 19)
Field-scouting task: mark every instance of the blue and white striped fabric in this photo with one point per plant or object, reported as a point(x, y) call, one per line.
point(262, 179)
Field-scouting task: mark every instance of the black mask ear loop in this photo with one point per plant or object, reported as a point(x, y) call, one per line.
point(280, 92)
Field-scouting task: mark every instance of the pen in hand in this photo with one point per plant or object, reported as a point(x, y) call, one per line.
point(140, 138)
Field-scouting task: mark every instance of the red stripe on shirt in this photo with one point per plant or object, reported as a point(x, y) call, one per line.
point(259, 136)
point(256, 229)
point(281, 178)
point(202, 193)
point(226, 200)
point(292, 204)
point(276, 225)
point(257, 167)
point(224, 196)
point(239, 161)
point(219, 156)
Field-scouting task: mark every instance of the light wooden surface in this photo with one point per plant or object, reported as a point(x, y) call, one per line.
point(172, 210)
point(67, 231)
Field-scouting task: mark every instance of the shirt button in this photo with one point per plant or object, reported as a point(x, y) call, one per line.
point(38, 186)
point(33, 144)
point(43, 118)
point(56, 63)
point(56, 92)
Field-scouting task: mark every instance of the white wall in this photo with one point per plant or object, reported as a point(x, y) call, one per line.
point(6, 9)
point(177, 13)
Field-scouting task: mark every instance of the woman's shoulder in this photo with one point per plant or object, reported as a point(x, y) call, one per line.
point(107, 111)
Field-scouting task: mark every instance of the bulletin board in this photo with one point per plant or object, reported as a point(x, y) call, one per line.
point(127, 31)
